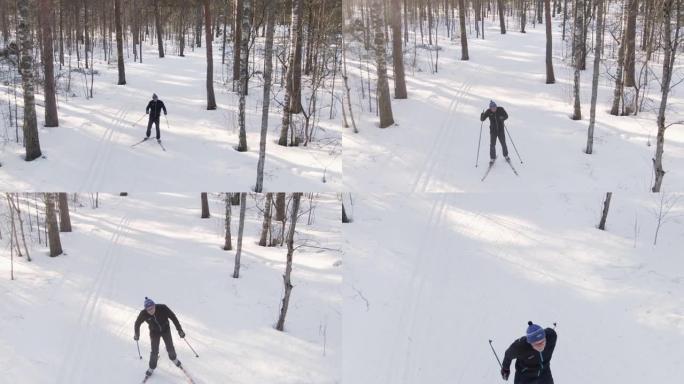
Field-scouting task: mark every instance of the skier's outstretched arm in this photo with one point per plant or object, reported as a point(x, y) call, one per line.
point(163, 107)
point(483, 115)
point(136, 327)
point(147, 110)
point(173, 318)
point(504, 114)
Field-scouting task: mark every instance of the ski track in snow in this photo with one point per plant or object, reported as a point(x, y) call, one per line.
point(74, 366)
point(98, 165)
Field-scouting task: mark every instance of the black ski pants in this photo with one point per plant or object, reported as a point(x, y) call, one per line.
point(149, 126)
point(545, 378)
point(168, 342)
point(495, 133)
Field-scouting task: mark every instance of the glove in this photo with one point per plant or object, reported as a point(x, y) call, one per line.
point(136, 337)
point(181, 334)
point(505, 373)
point(164, 113)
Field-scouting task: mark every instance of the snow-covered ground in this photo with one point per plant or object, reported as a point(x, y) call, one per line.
point(430, 278)
point(91, 150)
point(433, 146)
point(70, 319)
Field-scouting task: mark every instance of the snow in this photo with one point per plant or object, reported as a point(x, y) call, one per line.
point(91, 150)
point(430, 278)
point(433, 146)
point(70, 319)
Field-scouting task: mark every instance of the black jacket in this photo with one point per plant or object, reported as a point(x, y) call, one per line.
point(154, 108)
point(159, 322)
point(529, 362)
point(496, 119)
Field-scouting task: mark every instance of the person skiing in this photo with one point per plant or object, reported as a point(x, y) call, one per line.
point(497, 115)
point(154, 107)
point(532, 354)
point(157, 317)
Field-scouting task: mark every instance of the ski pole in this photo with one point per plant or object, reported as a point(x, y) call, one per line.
point(512, 142)
point(141, 117)
point(193, 349)
point(495, 355)
point(167, 122)
point(138, 344)
point(477, 159)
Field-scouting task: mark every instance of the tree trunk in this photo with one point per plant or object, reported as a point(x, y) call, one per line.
point(384, 102)
point(228, 241)
point(630, 41)
point(577, 50)
point(550, 78)
point(598, 47)
point(266, 225)
point(670, 46)
point(241, 228)
point(244, 71)
point(397, 53)
point(205, 206)
point(296, 197)
point(268, 70)
point(51, 119)
point(606, 206)
point(619, 81)
point(280, 216)
point(31, 140)
point(64, 217)
point(211, 99)
point(158, 27)
point(237, 38)
point(292, 103)
point(52, 227)
point(464, 36)
point(502, 22)
point(119, 42)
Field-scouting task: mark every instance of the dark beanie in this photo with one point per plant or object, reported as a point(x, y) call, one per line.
point(535, 333)
point(148, 302)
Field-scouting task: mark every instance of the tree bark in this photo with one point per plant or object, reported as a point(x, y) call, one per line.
point(619, 77)
point(384, 102)
point(502, 22)
point(51, 118)
point(237, 38)
point(464, 36)
point(266, 225)
point(397, 53)
point(598, 47)
point(119, 42)
point(280, 216)
point(64, 217)
point(268, 70)
point(228, 241)
point(296, 197)
point(211, 99)
point(205, 206)
point(550, 78)
point(577, 50)
point(158, 27)
point(30, 128)
point(241, 229)
point(291, 101)
point(244, 68)
point(606, 206)
point(630, 41)
point(670, 46)
point(52, 227)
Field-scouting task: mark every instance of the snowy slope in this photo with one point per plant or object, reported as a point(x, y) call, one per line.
point(70, 319)
point(91, 150)
point(433, 146)
point(429, 278)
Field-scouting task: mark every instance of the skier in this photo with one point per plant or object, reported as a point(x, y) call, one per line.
point(153, 109)
point(157, 317)
point(533, 356)
point(497, 115)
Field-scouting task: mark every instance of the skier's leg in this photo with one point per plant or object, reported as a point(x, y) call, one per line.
point(149, 128)
point(154, 353)
point(168, 342)
point(492, 143)
point(156, 122)
point(502, 140)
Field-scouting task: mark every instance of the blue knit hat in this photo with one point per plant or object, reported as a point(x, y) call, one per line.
point(492, 104)
point(535, 333)
point(148, 302)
